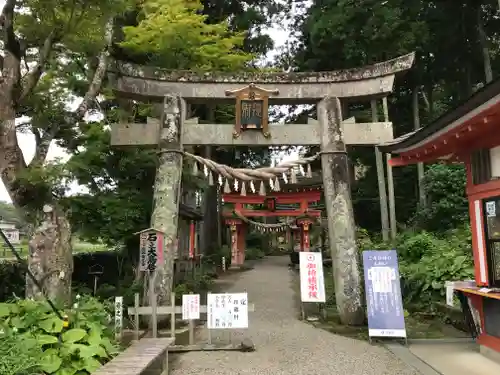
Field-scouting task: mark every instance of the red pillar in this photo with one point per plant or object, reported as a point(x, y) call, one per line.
point(192, 235)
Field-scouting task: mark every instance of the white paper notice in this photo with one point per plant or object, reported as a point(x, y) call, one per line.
point(312, 282)
point(227, 311)
point(491, 209)
point(449, 294)
point(190, 306)
point(381, 278)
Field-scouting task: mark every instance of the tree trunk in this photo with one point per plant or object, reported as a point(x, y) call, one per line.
point(165, 215)
point(382, 191)
point(50, 257)
point(420, 166)
point(341, 226)
point(483, 42)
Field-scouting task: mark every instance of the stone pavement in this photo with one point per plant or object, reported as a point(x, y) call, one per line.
point(284, 344)
point(459, 358)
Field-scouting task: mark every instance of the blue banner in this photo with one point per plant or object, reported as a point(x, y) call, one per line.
point(383, 294)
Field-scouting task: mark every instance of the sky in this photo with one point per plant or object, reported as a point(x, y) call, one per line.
point(27, 140)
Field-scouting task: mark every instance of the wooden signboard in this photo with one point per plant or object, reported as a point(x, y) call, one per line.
point(252, 103)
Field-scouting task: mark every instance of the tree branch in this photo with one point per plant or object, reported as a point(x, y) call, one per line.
point(99, 74)
point(426, 101)
point(11, 59)
point(42, 144)
point(34, 76)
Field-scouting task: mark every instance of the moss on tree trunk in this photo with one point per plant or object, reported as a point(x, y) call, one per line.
point(50, 257)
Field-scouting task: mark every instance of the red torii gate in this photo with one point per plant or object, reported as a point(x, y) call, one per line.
point(305, 216)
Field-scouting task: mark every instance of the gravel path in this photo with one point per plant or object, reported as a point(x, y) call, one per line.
point(284, 344)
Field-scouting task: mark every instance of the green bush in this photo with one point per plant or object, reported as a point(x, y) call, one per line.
point(118, 274)
point(254, 253)
point(447, 205)
point(19, 355)
point(13, 281)
point(80, 348)
point(428, 261)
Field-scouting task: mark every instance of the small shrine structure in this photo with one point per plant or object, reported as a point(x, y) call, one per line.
point(296, 202)
point(469, 134)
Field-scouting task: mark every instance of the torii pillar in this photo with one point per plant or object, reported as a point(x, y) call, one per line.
point(341, 225)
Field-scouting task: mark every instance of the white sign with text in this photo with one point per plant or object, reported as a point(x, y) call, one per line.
point(118, 315)
point(227, 310)
point(190, 306)
point(312, 282)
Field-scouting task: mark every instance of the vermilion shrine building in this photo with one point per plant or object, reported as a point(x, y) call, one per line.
point(470, 134)
point(298, 203)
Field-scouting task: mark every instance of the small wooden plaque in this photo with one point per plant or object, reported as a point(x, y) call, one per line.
point(252, 103)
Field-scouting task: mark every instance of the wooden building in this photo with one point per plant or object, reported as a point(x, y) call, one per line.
point(470, 134)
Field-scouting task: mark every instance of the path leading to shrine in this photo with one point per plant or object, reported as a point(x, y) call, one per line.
point(284, 344)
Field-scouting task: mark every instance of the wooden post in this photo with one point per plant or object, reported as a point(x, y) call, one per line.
point(118, 318)
point(191, 329)
point(384, 214)
point(136, 316)
point(153, 302)
point(209, 331)
point(390, 181)
point(341, 226)
point(172, 315)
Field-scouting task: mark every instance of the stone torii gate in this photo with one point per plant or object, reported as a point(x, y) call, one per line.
point(252, 92)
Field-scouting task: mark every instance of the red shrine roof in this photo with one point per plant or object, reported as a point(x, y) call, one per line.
point(472, 125)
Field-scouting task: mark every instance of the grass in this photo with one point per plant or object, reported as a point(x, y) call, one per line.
point(78, 247)
point(417, 327)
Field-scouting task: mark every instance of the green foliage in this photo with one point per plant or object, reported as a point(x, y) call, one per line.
point(447, 205)
point(12, 274)
point(117, 279)
point(254, 253)
point(19, 354)
point(80, 348)
point(427, 261)
point(449, 67)
point(177, 35)
point(199, 282)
